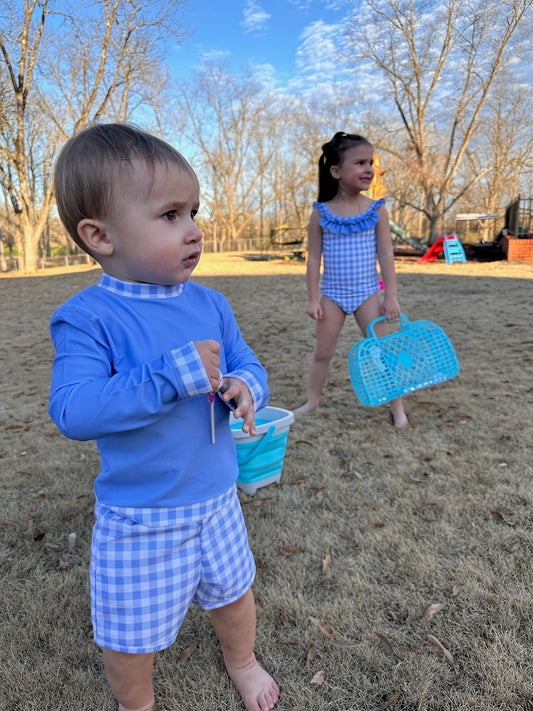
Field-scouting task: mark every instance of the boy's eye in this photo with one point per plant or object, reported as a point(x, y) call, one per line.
point(170, 215)
point(193, 214)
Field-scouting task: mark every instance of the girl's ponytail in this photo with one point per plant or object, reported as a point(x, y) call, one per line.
point(332, 153)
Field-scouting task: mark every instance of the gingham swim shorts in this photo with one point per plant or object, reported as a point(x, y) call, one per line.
point(149, 565)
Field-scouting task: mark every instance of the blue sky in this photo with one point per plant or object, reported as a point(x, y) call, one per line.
point(284, 39)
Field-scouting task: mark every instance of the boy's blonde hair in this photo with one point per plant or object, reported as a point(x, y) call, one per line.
point(92, 165)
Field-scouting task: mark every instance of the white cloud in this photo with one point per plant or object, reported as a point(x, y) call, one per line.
point(318, 50)
point(255, 17)
point(323, 4)
point(301, 4)
point(267, 75)
point(325, 75)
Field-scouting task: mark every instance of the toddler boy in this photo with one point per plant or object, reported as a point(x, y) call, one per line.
point(139, 357)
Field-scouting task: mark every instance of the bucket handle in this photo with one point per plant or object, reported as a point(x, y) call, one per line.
point(260, 446)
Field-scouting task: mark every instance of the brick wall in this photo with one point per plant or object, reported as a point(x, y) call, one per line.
point(518, 249)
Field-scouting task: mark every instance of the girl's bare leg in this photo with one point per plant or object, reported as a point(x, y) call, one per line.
point(328, 329)
point(235, 627)
point(364, 315)
point(130, 678)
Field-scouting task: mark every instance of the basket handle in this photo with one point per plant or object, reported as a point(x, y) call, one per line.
point(404, 322)
point(260, 446)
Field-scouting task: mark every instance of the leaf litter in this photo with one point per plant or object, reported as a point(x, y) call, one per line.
point(326, 563)
point(387, 644)
point(330, 633)
point(442, 649)
point(390, 702)
point(319, 678)
point(311, 654)
point(433, 609)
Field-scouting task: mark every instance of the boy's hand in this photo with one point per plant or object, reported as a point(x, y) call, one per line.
point(208, 352)
point(237, 390)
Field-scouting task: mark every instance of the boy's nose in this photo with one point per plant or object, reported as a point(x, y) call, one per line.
point(194, 234)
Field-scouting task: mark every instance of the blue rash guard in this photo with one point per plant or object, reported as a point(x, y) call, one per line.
point(127, 375)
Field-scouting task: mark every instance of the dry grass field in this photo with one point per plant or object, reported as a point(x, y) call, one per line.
point(394, 566)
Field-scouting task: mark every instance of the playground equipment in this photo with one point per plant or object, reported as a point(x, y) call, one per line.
point(293, 239)
point(434, 251)
point(288, 235)
point(397, 231)
point(453, 250)
point(450, 245)
point(490, 251)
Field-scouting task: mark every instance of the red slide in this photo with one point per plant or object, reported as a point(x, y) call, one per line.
point(433, 252)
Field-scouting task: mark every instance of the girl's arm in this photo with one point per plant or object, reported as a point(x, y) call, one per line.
point(314, 257)
point(386, 262)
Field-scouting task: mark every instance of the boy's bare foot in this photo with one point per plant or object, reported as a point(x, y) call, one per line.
point(257, 688)
point(305, 408)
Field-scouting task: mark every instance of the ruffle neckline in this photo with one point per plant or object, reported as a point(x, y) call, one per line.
point(344, 225)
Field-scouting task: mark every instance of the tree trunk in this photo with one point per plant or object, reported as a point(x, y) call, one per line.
point(3, 261)
point(433, 225)
point(30, 234)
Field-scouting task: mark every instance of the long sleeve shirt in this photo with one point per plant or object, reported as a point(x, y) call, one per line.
point(126, 373)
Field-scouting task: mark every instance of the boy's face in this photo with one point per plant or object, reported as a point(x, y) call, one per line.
point(151, 225)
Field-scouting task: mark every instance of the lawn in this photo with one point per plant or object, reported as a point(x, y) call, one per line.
point(394, 566)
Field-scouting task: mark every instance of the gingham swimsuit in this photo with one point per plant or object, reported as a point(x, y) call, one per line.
point(350, 272)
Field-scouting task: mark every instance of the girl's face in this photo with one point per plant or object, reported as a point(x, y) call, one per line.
point(355, 172)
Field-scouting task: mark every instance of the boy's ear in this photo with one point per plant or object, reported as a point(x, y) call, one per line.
point(93, 235)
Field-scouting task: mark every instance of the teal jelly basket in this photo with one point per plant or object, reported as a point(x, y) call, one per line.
point(418, 355)
point(260, 458)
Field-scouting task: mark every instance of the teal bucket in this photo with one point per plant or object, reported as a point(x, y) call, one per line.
point(260, 458)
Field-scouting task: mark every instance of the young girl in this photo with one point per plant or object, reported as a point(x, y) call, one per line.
point(349, 230)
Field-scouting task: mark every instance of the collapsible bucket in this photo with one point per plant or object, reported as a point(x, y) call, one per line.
point(260, 458)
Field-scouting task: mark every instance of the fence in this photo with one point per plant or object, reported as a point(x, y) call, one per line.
point(519, 217)
point(250, 244)
point(245, 244)
point(64, 260)
point(71, 260)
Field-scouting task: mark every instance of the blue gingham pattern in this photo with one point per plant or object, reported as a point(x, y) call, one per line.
point(149, 565)
point(350, 273)
point(186, 358)
point(259, 396)
point(191, 369)
point(136, 290)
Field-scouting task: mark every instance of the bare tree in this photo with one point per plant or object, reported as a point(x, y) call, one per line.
point(240, 133)
point(505, 142)
point(64, 64)
point(439, 62)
